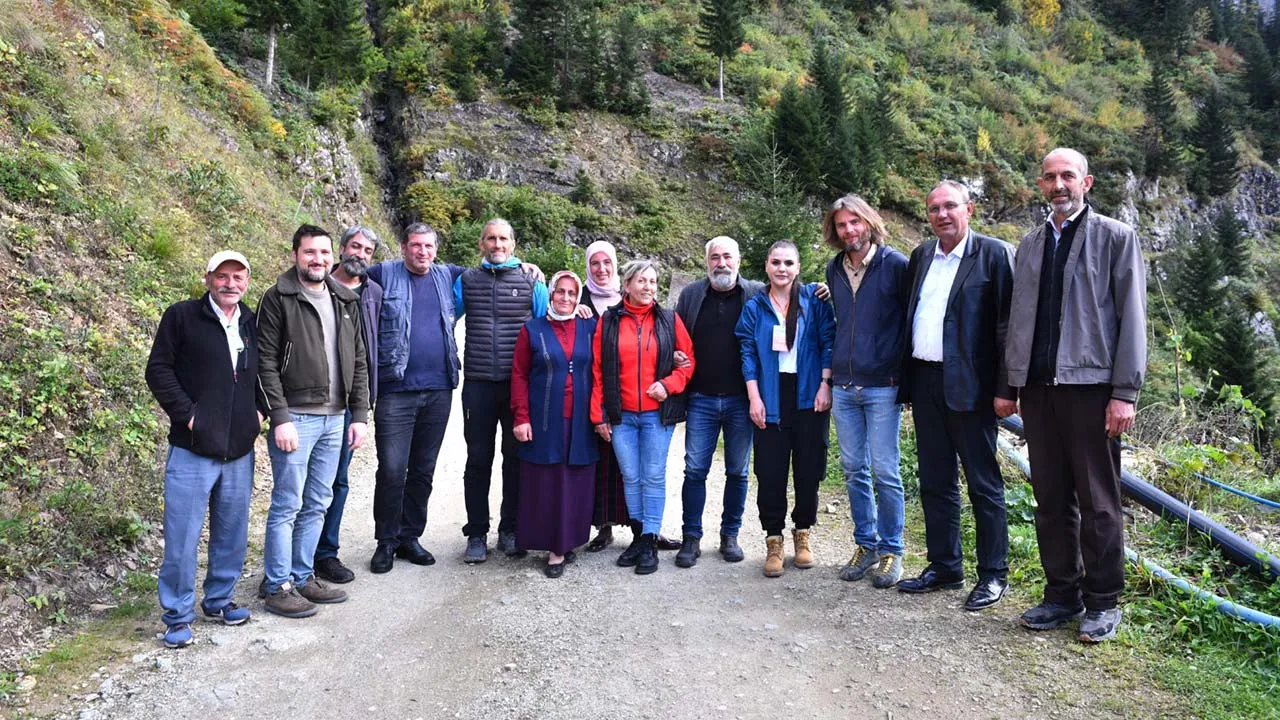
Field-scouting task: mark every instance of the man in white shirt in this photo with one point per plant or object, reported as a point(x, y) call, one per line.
point(956, 382)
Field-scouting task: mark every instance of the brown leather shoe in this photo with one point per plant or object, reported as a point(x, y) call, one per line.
point(287, 602)
point(773, 561)
point(804, 553)
point(317, 591)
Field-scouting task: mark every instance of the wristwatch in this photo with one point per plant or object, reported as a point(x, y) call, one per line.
point(829, 381)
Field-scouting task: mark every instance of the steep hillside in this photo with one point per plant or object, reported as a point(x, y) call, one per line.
point(128, 155)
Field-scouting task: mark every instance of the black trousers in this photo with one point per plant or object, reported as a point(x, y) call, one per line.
point(485, 406)
point(798, 440)
point(1075, 472)
point(942, 435)
point(409, 428)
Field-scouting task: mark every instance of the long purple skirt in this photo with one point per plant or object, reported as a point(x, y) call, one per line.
point(556, 503)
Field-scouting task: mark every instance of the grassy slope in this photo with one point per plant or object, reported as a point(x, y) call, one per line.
point(123, 166)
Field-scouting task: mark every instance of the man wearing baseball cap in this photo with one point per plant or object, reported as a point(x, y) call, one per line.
point(202, 370)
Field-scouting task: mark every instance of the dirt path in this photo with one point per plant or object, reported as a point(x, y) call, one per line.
point(499, 640)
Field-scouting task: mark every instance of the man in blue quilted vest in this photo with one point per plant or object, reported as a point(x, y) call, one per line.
point(498, 297)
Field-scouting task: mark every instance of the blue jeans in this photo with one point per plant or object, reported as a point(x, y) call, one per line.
point(640, 443)
point(328, 545)
point(301, 492)
point(867, 423)
point(194, 484)
point(707, 415)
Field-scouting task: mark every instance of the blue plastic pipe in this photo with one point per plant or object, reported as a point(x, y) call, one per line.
point(1237, 549)
point(1222, 605)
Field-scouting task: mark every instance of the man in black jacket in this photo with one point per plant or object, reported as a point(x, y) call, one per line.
point(717, 398)
point(955, 380)
point(201, 370)
point(313, 370)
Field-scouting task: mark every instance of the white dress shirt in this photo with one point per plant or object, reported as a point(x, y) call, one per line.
point(931, 308)
point(230, 325)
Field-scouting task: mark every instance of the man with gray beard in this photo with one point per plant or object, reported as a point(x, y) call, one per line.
point(717, 398)
point(356, 249)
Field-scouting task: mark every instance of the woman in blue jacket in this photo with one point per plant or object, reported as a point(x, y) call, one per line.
point(787, 334)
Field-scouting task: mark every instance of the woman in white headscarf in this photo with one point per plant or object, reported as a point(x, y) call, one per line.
point(551, 380)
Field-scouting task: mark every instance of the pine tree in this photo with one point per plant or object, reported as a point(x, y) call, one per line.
point(334, 43)
point(591, 73)
point(1162, 132)
point(532, 68)
point(720, 30)
point(801, 136)
point(270, 16)
point(1216, 172)
point(1241, 360)
point(493, 59)
point(1233, 246)
point(775, 214)
point(627, 91)
point(465, 50)
point(842, 155)
point(1196, 278)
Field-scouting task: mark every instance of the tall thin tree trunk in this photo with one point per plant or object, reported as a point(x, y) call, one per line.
point(271, 54)
point(721, 78)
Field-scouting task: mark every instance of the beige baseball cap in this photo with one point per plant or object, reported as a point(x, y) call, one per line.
point(226, 256)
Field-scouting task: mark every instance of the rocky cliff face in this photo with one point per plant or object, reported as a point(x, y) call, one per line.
point(1159, 209)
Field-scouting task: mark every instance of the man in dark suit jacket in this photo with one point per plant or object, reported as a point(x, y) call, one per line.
point(955, 380)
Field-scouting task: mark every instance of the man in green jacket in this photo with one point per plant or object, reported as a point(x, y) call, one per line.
point(312, 371)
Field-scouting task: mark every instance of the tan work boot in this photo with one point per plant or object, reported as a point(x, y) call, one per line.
point(804, 553)
point(773, 562)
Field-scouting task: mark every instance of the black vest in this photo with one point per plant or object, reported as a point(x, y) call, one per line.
point(498, 302)
point(1044, 344)
point(671, 410)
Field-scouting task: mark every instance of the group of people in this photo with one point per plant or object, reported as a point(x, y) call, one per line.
point(582, 383)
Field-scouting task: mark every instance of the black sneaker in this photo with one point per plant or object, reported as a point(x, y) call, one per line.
point(689, 552)
point(1049, 615)
point(332, 569)
point(631, 554)
point(507, 545)
point(477, 551)
point(647, 561)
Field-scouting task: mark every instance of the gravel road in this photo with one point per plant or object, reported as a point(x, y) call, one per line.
point(499, 640)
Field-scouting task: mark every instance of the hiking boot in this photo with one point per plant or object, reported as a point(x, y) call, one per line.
point(864, 558)
point(689, 552)
point(647, 560)
point(632, 553)
point(1099, 625)
point(730, 550)
point(773, 560)
point(477, 551)
point(1049, 615)
point(507, 545)
point(332, 569)
point(229, 614)
point(178, 635)
point(318, 592)
point(804, 553)
point(887, 572)
point(286, 602)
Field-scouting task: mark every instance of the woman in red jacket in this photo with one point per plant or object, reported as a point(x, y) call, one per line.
point(637, 399)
